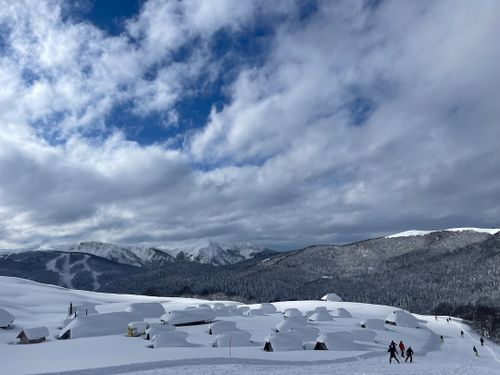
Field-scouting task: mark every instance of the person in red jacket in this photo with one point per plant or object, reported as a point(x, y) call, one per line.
point(402, 348)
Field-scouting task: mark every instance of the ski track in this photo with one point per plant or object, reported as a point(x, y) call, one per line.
point(66, 276)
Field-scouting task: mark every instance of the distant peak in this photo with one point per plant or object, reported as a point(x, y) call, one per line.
point(413, 232)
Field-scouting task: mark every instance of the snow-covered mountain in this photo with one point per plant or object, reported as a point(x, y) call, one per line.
point(414, 232)
point(211, 252)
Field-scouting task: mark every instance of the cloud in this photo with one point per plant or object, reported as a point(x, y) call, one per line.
point(358, 121)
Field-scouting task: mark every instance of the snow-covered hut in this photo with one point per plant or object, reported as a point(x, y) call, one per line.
point(321, 316)
point(155, 329)
point(254, 312)
point(342, 313)
point(33, 335)
point(168, 339)
point(288, 324)
point(98, 325)
point(238, 338)
point(222, 311)
point(283, 342)
point(268, 308)
point(306, 333)
point(146, 309)
point(81, 310)
point(221, 326)
point(136, 329)
point(402, 318)
point(243, 309)
point(376, 324)
point(336, 341)
point(331, 297)
point(292, 313)
point(188, 317)
point(6, 318)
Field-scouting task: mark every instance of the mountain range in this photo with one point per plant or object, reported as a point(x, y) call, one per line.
point(415, 270)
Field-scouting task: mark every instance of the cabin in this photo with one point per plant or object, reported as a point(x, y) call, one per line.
point(170, 339)
point(147, 309)
point(402, 318)
point(292, 313)
point(221, 326)
point(331, 297)
point(104, 324)
point(136, 329)
point(342, 340)
point(289, 324)
point(155, 328)
point(227, 339)
point(283, 342)
point(376, 324)
point(188, 317)
point(33, 335)
point(321, 316)
point(6, 319)
point(343, 313)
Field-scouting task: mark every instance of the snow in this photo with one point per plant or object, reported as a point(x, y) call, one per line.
point(402, 318)
point(410, 233)
point(338, 341)
point(188, 316)
point(332, 297)
point(222, 326)
point(232, 339)
point(169, 339)
point(146, 309)
point(36, 304)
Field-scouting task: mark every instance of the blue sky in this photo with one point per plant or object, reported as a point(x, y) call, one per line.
point(285, 123)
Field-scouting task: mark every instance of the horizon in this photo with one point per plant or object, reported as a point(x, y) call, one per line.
point(285, 124)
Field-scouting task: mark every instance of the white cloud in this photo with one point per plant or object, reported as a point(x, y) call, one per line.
point(284, 162)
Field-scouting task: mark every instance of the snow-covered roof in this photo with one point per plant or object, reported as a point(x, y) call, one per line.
point(254, 312)
point(268, 308)
point(288, 324)
point(35, 333)
point(320, 316)
point(146, 309)
point(343, 313)
point(306, 333)
point(292, 313)
point(377, 324)
point(239, 338)
point(167, 339)
point(155, 329)
point(402, 318)
point(410, 233)
point(222, 326)
point(284, 341)
point(331, 297)
point(6, 318)
point(100, 324)
point(179, 317)
point(342, 340)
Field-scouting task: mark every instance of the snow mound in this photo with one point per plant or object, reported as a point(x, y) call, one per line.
point(6, 318)
point(402, 318)
point(306, 333)
point(336, 341)
point(171, 339)
point(282, 342)
point(146, 309)
point(188, 317)
point(321, 316)
point(221, 326)
point(343, 313)
point(376, 324)
point(292, 313)
point(227, 339)
point(98, 325)
point(331, 297)
point(289, 324)
point(157, 328)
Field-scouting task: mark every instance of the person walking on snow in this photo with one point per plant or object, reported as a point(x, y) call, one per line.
point(442, 339)
point(475, 351)
point(462, 334)
point(409, 354)
point(481, 340)
point(393, 352)
point(402, 348)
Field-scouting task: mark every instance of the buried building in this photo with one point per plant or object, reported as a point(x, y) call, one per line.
point(336, 341)
point(33, 335)
point(188, 317)
point(6, 318)
point(283, 342)
point(402, 318)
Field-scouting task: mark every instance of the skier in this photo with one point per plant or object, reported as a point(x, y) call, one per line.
point(482, 341)
point(409, 354)
point(442, 339)
point(402, 348)
point(462, 334)
point(475, 351)
point(393, 352)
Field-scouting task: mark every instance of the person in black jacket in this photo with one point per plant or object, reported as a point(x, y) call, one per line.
point(393, 352)
point(409, 354)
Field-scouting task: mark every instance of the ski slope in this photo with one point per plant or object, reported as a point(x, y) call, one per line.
point(35, 304)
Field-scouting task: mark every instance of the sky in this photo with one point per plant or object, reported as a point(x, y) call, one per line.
point(284, 123)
